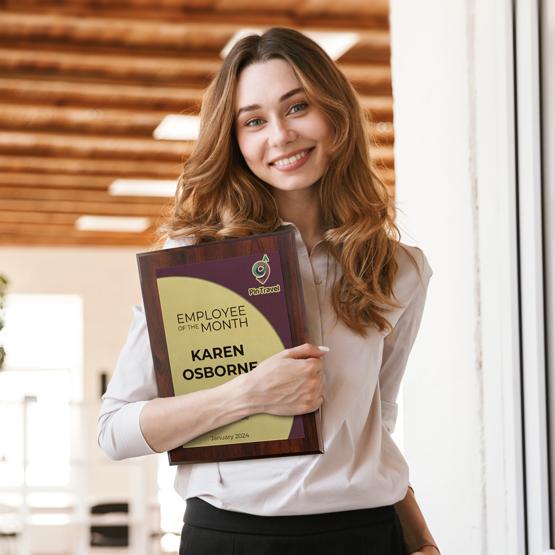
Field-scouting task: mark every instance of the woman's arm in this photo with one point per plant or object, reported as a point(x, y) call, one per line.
point(415, 530)
point(133, 422)
point(286, 383)
point(167, 422)
point(397, 347)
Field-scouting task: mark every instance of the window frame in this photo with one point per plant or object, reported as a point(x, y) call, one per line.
point(531, 269)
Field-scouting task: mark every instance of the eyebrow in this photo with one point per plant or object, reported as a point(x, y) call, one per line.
point(283, 97)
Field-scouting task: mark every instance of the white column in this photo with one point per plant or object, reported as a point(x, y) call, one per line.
point(432, 55)
point(454, 110)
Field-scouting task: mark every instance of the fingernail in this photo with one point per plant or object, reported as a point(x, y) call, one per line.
point(322, 348)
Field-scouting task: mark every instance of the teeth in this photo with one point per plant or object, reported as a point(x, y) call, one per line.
point(293, 159)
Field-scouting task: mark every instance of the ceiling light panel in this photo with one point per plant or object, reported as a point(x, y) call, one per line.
point(176, 127)
point(143, 187)
point(112, 223)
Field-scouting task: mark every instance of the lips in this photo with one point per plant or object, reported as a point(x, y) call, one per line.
point(290, 154)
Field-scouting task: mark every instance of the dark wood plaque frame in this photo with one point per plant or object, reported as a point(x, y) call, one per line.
point(282, 240)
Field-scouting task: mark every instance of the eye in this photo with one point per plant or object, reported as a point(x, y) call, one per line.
point(248, 123)
point(302, 105)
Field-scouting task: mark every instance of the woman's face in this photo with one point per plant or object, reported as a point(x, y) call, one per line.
point(285, 140)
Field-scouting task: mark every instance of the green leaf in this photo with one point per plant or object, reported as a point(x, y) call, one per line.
point(3, 285)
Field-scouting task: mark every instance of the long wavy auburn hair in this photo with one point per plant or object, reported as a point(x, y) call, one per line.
point(219, 197)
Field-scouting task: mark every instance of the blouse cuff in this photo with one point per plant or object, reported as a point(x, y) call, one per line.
point(122, 437)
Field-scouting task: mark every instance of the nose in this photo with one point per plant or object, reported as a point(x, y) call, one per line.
point(281, 133)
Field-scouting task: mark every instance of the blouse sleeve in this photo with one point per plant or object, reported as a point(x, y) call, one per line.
point(132, 385)
point(398, 343)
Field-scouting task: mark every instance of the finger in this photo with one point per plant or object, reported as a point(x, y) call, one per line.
point(307, 350)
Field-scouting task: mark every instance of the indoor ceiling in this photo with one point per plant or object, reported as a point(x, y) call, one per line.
point(84, 83)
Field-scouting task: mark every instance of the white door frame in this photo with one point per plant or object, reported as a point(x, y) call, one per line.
point(531, 272)
point(493, 54)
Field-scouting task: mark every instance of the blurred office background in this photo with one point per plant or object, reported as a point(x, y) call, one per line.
point(97, 111)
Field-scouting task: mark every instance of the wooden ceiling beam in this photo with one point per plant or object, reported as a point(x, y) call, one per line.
point(88, 167)
point(104, 121)
point(76, 195)
point(29, 223)
point(186, 71)
point(372, 47)
point(308, 8)
point(59, 229)
point(172, 38)
point(368, 79)
point(54, 181)
point(44, 218)
point(127, 33)
point(74, 93)
point(357, 16)
point(47, 236)
point(78, 207)
point(156, 70)
point(88, 146)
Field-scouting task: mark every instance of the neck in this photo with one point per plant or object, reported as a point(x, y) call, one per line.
point(302, 208)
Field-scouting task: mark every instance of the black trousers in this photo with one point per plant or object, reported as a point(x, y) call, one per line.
point(212, 531)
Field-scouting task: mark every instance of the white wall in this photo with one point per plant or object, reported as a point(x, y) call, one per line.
point(435, 191)
point(107, 280)
point(455, 166)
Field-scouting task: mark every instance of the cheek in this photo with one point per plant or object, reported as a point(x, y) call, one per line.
point(320, 129)
point(250, 149)
point(253, 155)
point(326, 132)
point(327, 137)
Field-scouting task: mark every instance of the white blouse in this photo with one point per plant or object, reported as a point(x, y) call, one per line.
point(361, 466)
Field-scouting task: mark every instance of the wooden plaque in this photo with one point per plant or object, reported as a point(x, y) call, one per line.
point(216, 310)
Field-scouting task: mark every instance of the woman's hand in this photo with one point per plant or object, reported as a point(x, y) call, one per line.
point(287, 383)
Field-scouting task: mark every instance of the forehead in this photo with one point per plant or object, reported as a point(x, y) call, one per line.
point(264, 82)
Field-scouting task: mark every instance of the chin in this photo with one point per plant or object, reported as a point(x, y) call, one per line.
point(294, 184)
point(291, 186)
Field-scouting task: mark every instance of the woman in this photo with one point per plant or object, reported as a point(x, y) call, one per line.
point(283, 140)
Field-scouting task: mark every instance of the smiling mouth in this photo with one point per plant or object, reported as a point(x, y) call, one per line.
point(286, 162)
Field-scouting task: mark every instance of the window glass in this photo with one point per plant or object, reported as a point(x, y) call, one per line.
point(43, 332)
point(42, 338)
